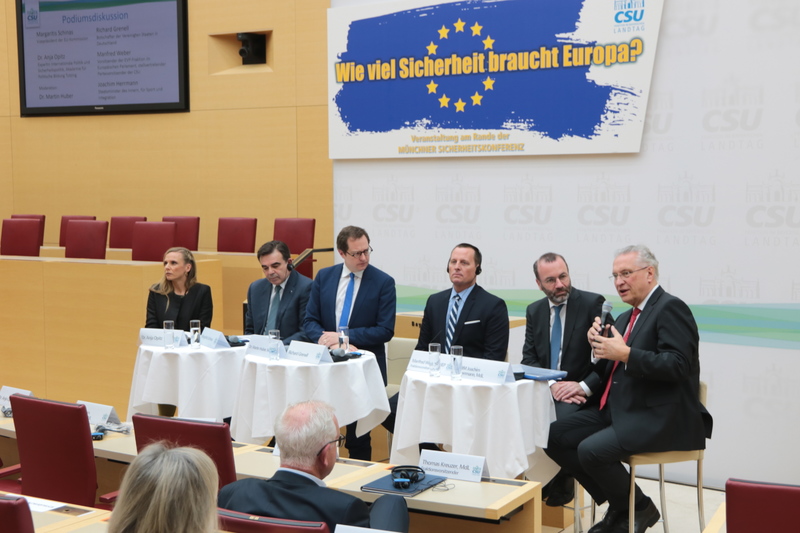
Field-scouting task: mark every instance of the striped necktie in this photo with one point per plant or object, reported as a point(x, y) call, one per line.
point(452, 318)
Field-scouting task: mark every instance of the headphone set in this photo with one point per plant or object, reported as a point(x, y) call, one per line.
point(404, 476)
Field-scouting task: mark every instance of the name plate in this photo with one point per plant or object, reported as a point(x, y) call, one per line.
point(422, 361)
point(260, 345)
point(306, 352)
point(454, 465)
point(160, 337)
point(99, 413)
point(7, 391)
point(213, 339)
point(486, 370)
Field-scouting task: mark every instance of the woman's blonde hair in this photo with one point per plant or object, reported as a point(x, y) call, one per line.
point(167, 490)
point(165, 286)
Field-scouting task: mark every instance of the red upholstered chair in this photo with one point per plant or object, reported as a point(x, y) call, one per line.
point(15, 515)
point(757, 506)
point(66, 473)
point(37, 217)
point(122, 231)
point(187, 231)
point(86, 239)
point(247, 523)
point(20, 236)
point(214, 438)
point(236, 234)
point(62, 240)
point(151, 240)
point(298, 234)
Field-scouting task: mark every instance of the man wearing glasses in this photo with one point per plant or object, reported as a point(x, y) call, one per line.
point(308, 436)
point(650, 400)
point(360, 297)
point(554, 338)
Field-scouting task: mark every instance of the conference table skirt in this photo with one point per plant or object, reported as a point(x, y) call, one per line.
point(354, 388)
point(503, 422)
point(200, 381)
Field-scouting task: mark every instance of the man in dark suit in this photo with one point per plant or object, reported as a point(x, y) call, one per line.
point(477, 320)
point(296, 490)
point(362, 298)
point(650, 401)
point(289, 287)
point(566, 312)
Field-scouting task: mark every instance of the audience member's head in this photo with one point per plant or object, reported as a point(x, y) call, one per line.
point(308, 435)
point(167, 490)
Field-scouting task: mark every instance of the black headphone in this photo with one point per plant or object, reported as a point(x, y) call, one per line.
point(404, 475)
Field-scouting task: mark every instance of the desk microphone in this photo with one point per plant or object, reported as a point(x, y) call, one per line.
point(607, 307)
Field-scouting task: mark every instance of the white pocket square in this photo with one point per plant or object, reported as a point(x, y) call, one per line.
point(472, 322)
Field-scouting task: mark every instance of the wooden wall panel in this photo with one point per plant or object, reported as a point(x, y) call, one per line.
point(312, 53)
point(7, 37)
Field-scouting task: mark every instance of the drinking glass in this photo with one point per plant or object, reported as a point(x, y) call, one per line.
point(344, 338)
point(194, 333)
point(169, 334)
point(457, 354)
point(434, 349)
point(273, 350)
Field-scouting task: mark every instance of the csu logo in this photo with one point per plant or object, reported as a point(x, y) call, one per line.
point(631, 15)
point(528, 214)
point(457, 214)
point(728, 120)
point(686, 215)
point(774, 216)
point(603, 215)
point(393, 213)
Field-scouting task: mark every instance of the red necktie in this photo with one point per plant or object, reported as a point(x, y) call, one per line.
point(628, 330)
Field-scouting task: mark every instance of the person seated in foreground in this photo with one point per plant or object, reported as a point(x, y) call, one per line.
point(167, 490)
point(308, 436)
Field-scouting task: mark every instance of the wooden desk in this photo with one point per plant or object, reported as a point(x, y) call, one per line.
point(70, 326)
point(66, 517)
point(494, 506)
point(258, 462)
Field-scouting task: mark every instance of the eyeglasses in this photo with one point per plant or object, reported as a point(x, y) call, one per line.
point(551, 281)
point(625, 274)
point(365, 253)
point(338, 442)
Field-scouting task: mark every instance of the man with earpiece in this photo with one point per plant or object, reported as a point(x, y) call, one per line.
point(466, 315)
point(279, 300)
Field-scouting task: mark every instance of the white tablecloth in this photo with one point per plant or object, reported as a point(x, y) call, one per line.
point(200, 381)
point(504, 423)
point(354, 388)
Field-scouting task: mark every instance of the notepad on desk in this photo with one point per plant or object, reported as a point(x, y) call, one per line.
point(385, 485)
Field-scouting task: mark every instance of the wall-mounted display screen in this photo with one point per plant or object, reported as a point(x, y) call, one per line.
point(102, 56)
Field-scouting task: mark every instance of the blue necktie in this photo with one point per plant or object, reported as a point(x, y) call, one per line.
point(452, 318)
point(555, 337)
point(272, 318)
point(348, 302)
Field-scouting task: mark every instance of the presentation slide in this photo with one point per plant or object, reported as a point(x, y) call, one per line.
point(100, 53)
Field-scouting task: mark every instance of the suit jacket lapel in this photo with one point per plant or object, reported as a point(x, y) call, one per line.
point(363, 289)
point(645, 315)
point(286, 295)
point(573, 303)
point(462, 317)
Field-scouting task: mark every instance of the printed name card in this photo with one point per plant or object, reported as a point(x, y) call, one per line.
point(213, 339)
point(454, 465)
point(261, 345)
point(99, 413)
point(342, 528)
point(422, 361)
point(486, 370)
point(306, 352)
point(7, 391)
point(160, 337)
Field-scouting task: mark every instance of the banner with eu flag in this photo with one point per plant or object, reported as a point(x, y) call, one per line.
point(489, 77)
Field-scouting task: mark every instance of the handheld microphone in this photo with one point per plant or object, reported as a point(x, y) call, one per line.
point(607, 307)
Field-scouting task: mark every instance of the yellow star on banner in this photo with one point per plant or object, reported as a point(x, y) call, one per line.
point(432, 49)
point(459, 25)
point(460, 105)
point(488, 42)
point(443, 101)
point(432, 87)
point(476, 98)
point(476, 29)
point(488, 84)
point(443, 31)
